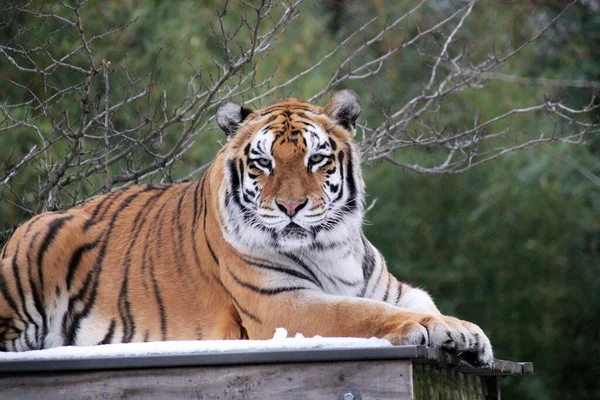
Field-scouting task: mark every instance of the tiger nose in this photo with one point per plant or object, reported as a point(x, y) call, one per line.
point(291, 206)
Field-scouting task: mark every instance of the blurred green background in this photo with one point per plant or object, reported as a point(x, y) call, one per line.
point(513, 245)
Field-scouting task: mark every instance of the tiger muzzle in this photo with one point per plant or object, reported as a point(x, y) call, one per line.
point(291, 206)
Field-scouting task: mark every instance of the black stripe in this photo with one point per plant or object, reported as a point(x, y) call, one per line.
point(368, 265)
point(387, 289)
point(178, 239)
point(333, 144)
point(69, 324)
point(377, 280)
point(124, 307)
point(235, 178)
point(238, 305)
point(243, 333)
point(332, 187)
point(159, 231)
point(210, 249)
point(198, 208)
point(341, 161)
point(150, 233)
point(145, 208)
point(94, 217)
point(17, 276)
point(351, 202)
point(302, 264)
point(159, 301)
point(76, 259)
point(35, 292)
point(339, 279)
point(263, 264)
point(399, 293)
point(6, 293)
point(21, 292)
point(194, 230)
point(111, 332)
point(199, 186)
point(31, 223)
point(264, 291)
point(150, 260)
point(53, 228)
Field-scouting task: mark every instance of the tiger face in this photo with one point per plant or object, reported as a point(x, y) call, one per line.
point(292, 176)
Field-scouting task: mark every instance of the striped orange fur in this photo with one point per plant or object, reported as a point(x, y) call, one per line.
point(269, 237)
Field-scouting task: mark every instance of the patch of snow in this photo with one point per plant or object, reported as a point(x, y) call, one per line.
point(280, 341)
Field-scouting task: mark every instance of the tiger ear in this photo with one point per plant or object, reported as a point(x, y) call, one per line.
point(344, 107)
point(229, 117)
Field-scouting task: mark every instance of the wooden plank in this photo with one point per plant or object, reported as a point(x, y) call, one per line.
point(373, 379)
point(499, 368)
point(416, 353)
point(434, 383)
point(492, 384)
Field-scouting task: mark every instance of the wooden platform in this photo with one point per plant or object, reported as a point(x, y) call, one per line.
point(403, 372)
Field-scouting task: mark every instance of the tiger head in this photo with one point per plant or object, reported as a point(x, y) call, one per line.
point(292, 179)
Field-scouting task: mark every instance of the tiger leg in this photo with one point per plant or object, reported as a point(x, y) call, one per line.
point(15, 333)
point(451, 334)
point(311, 312)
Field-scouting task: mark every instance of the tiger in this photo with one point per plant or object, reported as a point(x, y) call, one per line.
point(270, 236)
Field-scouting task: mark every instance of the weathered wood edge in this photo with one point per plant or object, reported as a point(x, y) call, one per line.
point(446, 360)
point(419, 354)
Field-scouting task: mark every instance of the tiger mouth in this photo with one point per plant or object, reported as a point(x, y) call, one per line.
point(294, 231)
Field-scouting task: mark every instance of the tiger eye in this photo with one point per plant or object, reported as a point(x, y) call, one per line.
point(316, 158)
point(263, 162)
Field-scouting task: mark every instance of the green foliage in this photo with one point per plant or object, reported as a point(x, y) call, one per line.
point(512, 247)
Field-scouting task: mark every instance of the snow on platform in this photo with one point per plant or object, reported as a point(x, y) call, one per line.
point(280, 341)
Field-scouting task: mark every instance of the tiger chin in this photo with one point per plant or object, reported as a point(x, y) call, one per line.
point(269, 237)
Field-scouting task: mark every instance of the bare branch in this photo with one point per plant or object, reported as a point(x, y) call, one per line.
point(558, 83)
point(91, 124)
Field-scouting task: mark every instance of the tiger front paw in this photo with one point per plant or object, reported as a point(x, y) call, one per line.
point(458, 337)
point(480, 350)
